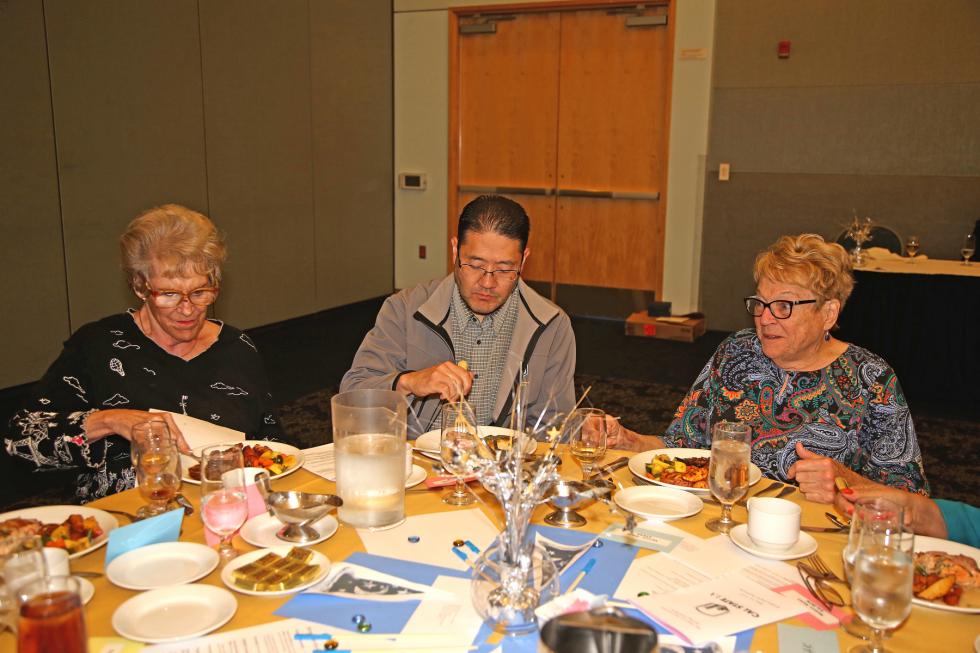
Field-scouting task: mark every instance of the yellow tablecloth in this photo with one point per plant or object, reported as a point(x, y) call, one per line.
point(925, 629)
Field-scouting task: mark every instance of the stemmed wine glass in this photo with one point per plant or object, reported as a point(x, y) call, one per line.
point(873, 517)
point(728, 469)
point(458, 442)
point(969, 247)
point(911, 247)
point(224, 506)
point(156, 461)
point(586, 432)
point(882, 583)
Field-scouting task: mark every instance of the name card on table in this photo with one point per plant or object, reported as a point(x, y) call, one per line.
point(162, 528)
point(793, 639)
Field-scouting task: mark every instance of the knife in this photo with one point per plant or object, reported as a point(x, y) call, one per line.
point(823, 529)
point(619, 463)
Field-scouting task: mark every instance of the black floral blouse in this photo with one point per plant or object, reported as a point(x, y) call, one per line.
point(111, 364)
point(853, 411)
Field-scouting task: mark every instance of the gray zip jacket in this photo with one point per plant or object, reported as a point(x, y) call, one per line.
point(412, 332)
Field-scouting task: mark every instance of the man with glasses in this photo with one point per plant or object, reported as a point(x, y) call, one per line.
point(483, 314)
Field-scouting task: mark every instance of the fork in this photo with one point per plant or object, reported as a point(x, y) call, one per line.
point(818, 565)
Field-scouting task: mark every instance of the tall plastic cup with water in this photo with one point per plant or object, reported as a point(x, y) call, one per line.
point(369, 429)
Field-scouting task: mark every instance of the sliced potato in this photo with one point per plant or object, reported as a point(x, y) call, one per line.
point(938, 589)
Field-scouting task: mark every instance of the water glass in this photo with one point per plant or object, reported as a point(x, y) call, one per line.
point(157, 465)
point(728, 469)
point(51, 617)
point(969, 247)
point(224, 502)
point(882, 584)
point(458, 441)
point(586, 431)
point(369, 428)
point(911, 247)
point(23, 562)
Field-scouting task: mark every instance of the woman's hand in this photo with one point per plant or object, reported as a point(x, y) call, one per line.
point(815, 474)
point(921, 513)
point(620, 437)
point(120, 421)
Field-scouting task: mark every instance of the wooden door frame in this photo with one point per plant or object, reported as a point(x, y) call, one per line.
point(455, 13)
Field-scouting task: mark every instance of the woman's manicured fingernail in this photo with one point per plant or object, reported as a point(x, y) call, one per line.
point(847, 491)
point(850, 510)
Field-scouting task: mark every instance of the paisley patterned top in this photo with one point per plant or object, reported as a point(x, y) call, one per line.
point(853, 411)
point(111, 364)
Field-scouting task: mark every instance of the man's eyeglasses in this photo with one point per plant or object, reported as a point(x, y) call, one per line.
point(780, 308)
point(172, 298)
point(818, 585)
point(475, 271)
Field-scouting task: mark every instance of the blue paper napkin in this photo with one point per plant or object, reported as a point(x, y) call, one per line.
point(162, 528)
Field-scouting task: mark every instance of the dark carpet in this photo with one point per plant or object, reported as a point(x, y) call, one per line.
point(648, 407)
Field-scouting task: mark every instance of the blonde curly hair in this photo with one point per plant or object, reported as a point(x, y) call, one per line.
point(171, 240)
point(810, 262)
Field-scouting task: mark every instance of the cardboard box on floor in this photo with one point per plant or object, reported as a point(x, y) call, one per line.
point(683, 328)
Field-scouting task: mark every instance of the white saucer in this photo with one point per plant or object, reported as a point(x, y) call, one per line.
point(803, 547)
point(261, 531)
point(417, 476)
point(169, 614)
point(252, 556)
point(162, 564)
point(662, 503)
point(86, 590)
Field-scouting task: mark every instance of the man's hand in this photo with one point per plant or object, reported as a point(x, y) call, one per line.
point(448, 380)
point(815, 474)
point(120, 421)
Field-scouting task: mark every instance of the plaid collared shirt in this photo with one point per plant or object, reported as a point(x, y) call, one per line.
point(484, 345)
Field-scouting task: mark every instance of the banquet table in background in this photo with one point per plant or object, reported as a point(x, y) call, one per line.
point(923, 317)
point(926, 629)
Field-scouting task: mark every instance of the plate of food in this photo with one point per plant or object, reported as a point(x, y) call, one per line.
point(946, 575)
point(276, 571)
point(427, 444)
point(686, 469)
point(277, 458)
point(77, 529)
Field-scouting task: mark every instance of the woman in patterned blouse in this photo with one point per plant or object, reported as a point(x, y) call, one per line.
point(166, 355)
point(819, 407)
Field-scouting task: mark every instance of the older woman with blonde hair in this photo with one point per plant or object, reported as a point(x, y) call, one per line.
point(166, 354)
point(819, 407)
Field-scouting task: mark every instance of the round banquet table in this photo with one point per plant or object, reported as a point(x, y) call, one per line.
point(942, 630)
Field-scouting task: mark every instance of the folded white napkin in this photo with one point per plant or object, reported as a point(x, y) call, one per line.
point(882, 254)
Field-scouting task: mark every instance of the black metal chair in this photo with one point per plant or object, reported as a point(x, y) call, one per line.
point(881, 236)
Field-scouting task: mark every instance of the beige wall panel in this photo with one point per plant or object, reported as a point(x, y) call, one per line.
point(918, 130)
point(256, 65)
point(33, 280)
point(351, 73)
point(847, 42)
point(748, 213)
point(126, 92)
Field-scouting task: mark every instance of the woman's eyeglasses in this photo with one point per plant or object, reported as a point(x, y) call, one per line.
point(818, 585)
point(780, 308)
point(172, 298)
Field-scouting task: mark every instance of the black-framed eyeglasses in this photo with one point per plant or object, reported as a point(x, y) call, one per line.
point(820, 587)
point(172, 298)
point(780, 308)
point(475, 271)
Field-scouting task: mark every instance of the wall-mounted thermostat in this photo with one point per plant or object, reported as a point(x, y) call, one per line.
point(412, 180)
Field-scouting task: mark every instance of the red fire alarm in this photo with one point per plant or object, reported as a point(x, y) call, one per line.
point(783, 48)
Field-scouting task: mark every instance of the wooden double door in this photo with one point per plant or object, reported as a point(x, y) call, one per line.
point(567, 111)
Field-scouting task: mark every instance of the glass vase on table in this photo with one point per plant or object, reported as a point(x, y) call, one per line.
point(459, 441)
point(728, 469)
point(874, 516)
point(586, 432)
point(157, 464)
point(224, 503)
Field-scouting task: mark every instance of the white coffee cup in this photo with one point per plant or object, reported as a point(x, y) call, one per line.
point(773, 523)
point(409, 463)
point(56, 560)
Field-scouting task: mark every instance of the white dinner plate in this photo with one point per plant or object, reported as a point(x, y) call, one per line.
point(58, 514)
point(169, 614)
point(663, 503)
point(252, 556)
point(427, 444)
point(803, 547)
point(86, 590)
point(186, 462)
point(162, 564)
point(639, 462)
point(261, 531)
point(923, 544)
